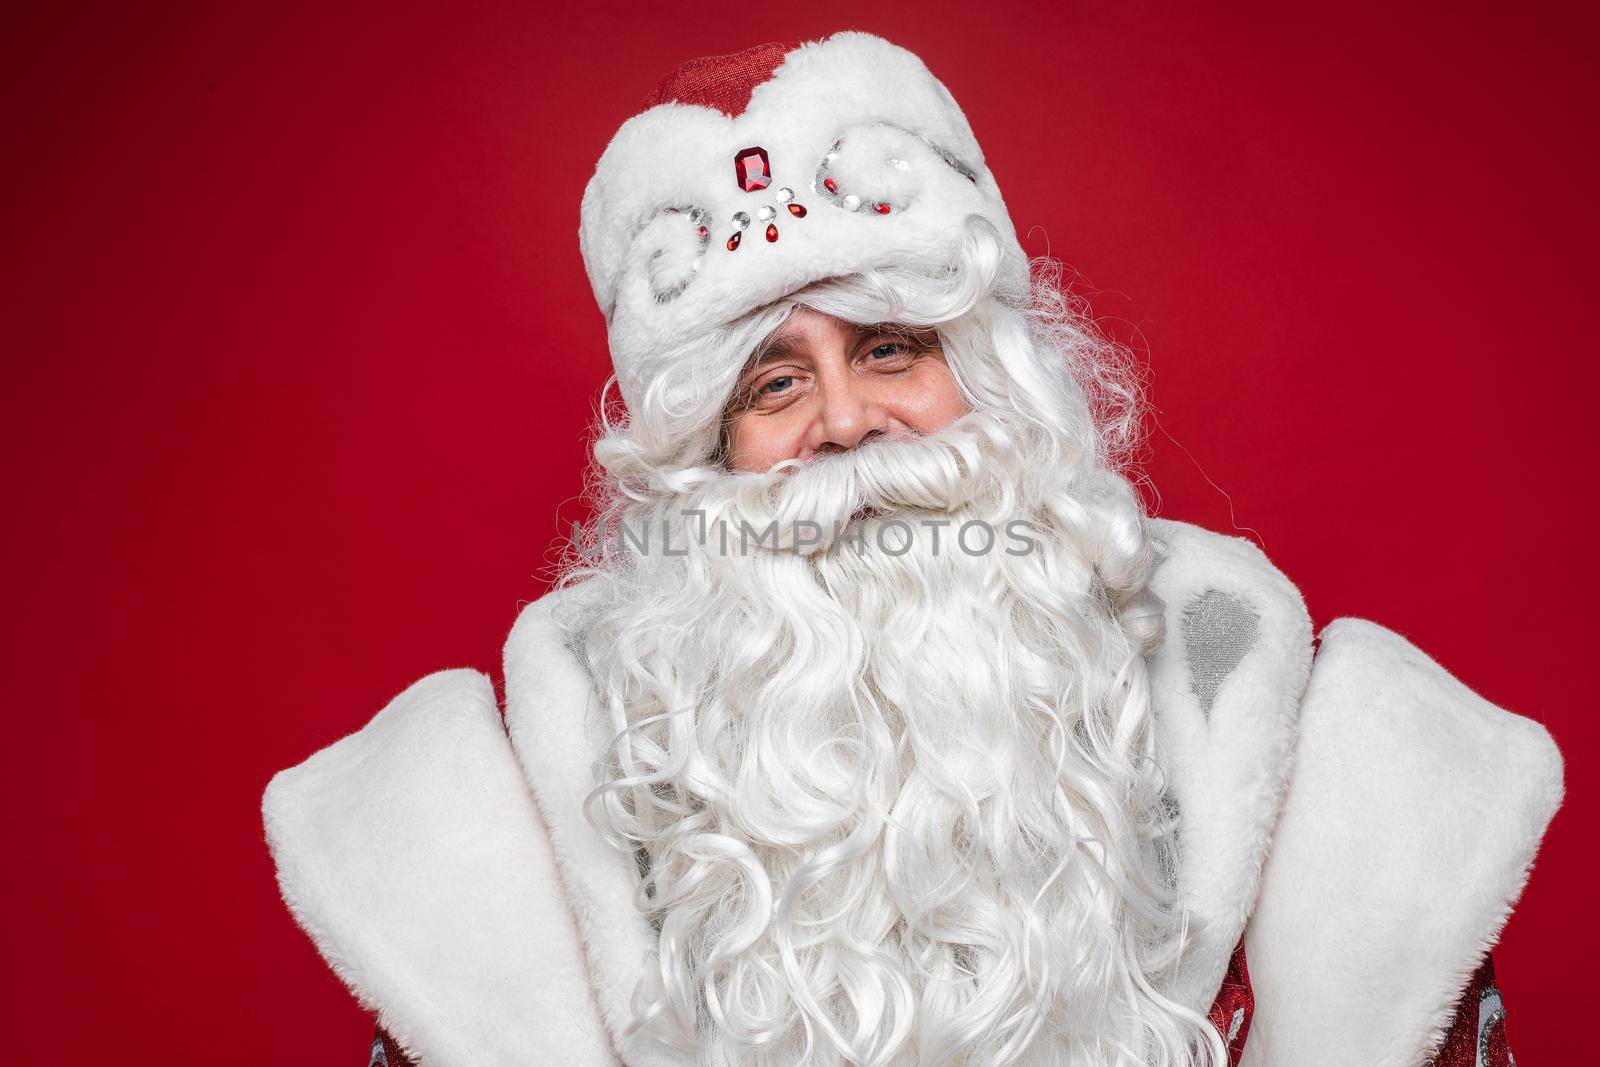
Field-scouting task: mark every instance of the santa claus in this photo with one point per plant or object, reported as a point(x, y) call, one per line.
point(873, 721)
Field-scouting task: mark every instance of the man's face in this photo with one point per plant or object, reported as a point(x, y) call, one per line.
point(826, 385)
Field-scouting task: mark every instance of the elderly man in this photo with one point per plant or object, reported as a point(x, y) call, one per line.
point(873, 721)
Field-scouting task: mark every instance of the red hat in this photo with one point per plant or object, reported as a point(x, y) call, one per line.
point(751, 175)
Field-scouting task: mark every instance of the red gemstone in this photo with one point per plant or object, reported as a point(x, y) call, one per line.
point(752, 169)
point(831, 185)
point(703, 231)
point(772, 232)
point(733, 242)
point(797, 211)
point(882, 209)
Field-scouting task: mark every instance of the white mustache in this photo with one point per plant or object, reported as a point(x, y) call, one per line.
point(942, 472)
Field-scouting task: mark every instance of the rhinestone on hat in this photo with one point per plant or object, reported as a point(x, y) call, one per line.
point(825, 183)
point(752, 169)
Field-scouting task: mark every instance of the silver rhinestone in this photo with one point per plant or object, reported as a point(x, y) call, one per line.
point(831, 155)
point(899, 164)
point(851, 201)
point(765, 214)
point(783, 196)
point(740, 219)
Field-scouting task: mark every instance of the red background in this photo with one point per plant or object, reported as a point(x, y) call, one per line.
point(300, 355)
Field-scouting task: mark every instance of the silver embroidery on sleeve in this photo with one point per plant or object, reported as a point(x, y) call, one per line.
point(1219, 630)
point(1491, 1013)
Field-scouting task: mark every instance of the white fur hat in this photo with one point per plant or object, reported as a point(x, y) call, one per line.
point(752, 175)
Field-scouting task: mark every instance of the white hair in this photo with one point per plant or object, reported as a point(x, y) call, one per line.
point(893, 804)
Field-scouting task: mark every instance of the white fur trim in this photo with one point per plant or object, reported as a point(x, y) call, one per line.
point(558, 734)
point(1414, 812)
point(412, 854)
point(1228, 766)
point(638, 238)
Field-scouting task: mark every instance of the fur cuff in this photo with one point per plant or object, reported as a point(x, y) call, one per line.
point(1414, 812)
point(413, 856)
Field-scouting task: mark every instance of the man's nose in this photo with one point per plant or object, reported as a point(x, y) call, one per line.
point(846, 416)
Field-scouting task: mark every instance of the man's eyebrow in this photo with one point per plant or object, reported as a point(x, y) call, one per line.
point(928, 336)
point(776, 349)
point(898, 329)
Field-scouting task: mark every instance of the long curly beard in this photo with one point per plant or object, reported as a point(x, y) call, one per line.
point(897, 799)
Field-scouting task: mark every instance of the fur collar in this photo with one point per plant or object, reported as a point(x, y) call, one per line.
point(460, 893)
point(1226, 688)
point(557, 731)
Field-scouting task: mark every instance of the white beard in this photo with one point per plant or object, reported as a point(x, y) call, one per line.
point(896, 808)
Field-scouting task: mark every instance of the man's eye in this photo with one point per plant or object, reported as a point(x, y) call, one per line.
point(776, 385)
point(889, 350)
